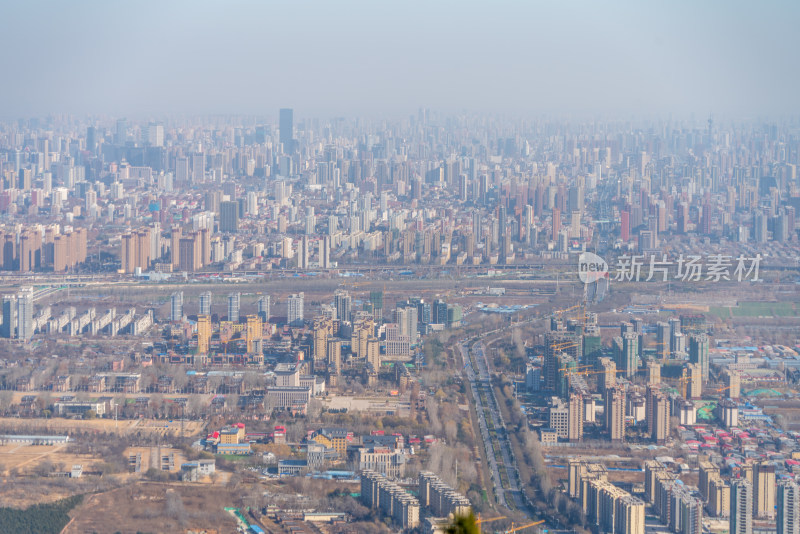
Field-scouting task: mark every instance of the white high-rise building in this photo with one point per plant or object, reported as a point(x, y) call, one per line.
point(325, 252)
point(155, 241)
point(343, 303)
point(154, 134)
point(406, 319)
point(788, 503)
point(198, 168)
point(205, 303)
point(263, 307)
point(281, 192)
point(25, 314)
point(182, 169)
point(741, 517)
point(176, 308)
point(294, 314)
point(302, 253)
point(252, 203)
point(233, 307)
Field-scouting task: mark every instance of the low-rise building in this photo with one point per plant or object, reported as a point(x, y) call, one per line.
point(333, 438)
point(196, 470)
point(384, 460)
point(291, 467)
point(233, 448)
point(79, 408)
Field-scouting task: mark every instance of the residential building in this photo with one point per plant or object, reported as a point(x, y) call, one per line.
point(741, 512)
point(788, 507)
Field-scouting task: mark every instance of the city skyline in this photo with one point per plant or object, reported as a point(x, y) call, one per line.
point(523, 263)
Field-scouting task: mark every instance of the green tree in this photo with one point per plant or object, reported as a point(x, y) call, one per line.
point(463, 524)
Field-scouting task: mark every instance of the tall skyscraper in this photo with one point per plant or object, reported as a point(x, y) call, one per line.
point(657, 414)
point(334, 356)
point(694, 389)
point(764, 482)
point(615, 412)
point(121, 134)
point(25, 314)
point(788, 521)
point(376, 300)
point(198, 168)
point(628, 357)
point(203, 333)
point(91, 138)
point(154, 134)
point(229, 216)
point(253, 334)
point(406, 319)
point(286, 126)
point(733, 381)
point(302, 253)
point(294, 314)
point(189, 254)
point(9, 328)
point(263, 307)
point(575, 432)
point(325, 252)
point(741, 516)
point(556, 223)
point(663, 340)
point(760, 220)
point(674, 331)
point(698, 352)
point(653, 372)
point(205, 303)
point(705, 220)
point(708, 472)
point(182, 170)
point(176, 308)
point(343, 303)
point(607, 378)
point(719, 498)
point(233, 307)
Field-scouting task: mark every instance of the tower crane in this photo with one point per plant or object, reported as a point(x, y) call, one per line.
point(482, 520)
point(575, 369)
point(515, 529)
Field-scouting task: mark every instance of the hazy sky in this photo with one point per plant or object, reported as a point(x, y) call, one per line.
point(326, 57)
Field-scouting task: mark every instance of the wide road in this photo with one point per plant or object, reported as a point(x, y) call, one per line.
point(509, 462)
point(484, 430)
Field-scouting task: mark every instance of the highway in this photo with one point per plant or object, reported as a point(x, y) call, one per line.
point(509, 462)
point(477, 372)
point(476, 369)
point(484, 430)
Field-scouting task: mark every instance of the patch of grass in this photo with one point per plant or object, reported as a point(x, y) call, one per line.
point(723, 312)
point(233, 457)
point(756, 309)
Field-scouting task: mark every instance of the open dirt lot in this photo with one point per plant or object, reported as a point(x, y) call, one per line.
point(368, 404)
point(154, 507)
point(66, 426)
point(18, 456)
point(25, 459)
point(21, 492)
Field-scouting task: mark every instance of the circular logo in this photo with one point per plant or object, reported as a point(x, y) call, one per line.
point(591, 267)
